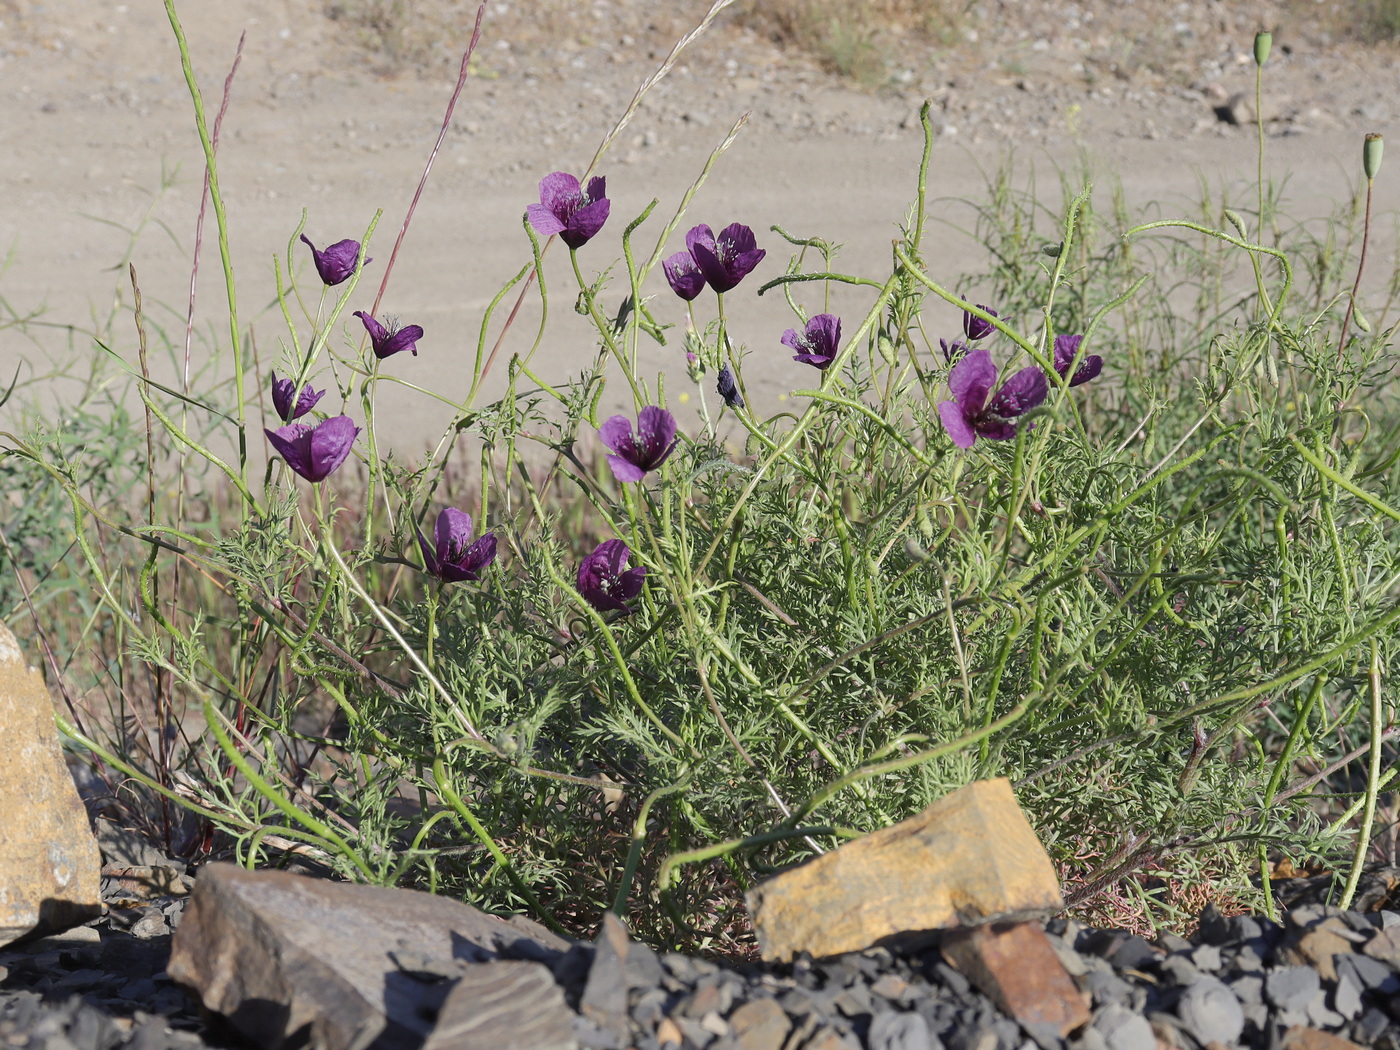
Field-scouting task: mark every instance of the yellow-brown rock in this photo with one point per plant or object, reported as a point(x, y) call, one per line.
point(49, 861)
point(968, 858)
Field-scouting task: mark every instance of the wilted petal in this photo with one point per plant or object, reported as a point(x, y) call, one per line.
point(976, 328)
point(959, 429)
point(971, 380)
point(728, 389)
point(683, 275)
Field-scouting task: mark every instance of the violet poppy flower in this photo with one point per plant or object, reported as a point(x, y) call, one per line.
point(564, 208)
point(456, 558)
point(954, 350)
point(1066, 346)
point(973, 413)
point(683, 275)
point(315, 451)
point(337, 262)
point(727, 259)
point(388, 341)
point(635, 455)
point(818, 343)
point(605, 581)
point(728, 389)
point(976, 328)
point(284, 399)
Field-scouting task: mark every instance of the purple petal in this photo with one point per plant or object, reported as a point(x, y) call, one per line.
point(331, 441)
point(543, 221)
point(451, 533)
point(377, 332)
point(819, 360)
point(683, 275)
point(1092, 366)
point(714, 270)
point(586, 222)
point(307, 401)
point(629, 584)
point(744, 264)
point(470, 562)
point(735, 240)
point(956, 424)
point(292, 443)
point(1066, 346)
point(794, 339)
point(701, 235)
point(824, 331)
point(337, 262)
point(656, 435)
point(560, 191)
point(952, 351)
point(971, 380)
point(616, 434)
point(625, 469)
point(283, 391)
point(597, 188)
point(1019, 394)
point(406, 338)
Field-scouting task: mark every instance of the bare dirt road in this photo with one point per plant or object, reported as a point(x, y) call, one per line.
point(94, 109)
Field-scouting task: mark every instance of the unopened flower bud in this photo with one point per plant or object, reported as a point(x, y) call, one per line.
point(1371, 154)
point(1262, 43)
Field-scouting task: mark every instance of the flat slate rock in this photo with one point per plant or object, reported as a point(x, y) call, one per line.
point(504, 1005)
point(970, 857)
point(290, 960)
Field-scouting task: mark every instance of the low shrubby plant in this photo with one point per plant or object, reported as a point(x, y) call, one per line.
point(1130, 540)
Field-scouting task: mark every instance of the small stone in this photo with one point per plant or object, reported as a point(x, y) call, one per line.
point(1214, 928)
point(970, 856)
point(1179, 968)
point(1346, 997)
point(1249, 990)
point(1107, 988)
point(971, 1037)
point(1210, 1012)
point(1206, 957)
point(899, 1031)
point(1171, 943)
point(890, 986)
point(1385, 945)
point(1373, 1022)
point(604, 999)
point(1244, 928)
point(1322, 1016)
point(668, 1033)
point(715, 1024)
point(1014, 965)
point(1315, 947)
point(1304, 1038)
point(150, 925)
point(1124, 1029)
point(1292, 987)
point(760, 1024)
point(1368, 973)
point(831, 1039)
point(49, 860)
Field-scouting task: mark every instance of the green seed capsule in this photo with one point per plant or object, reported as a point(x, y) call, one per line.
point(1371, 154)
point(1262, 43)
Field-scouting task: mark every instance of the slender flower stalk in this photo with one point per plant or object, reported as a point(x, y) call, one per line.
point(1371, 152)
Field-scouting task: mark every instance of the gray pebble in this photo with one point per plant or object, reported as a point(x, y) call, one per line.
point(1346, 997)
point(1206, 957)
point(1292, 987)
point(1210, 1012)
point(1179, 968)
point(1371, 974)
point(1124, 1029)
point(901, 1031)
point(1249, 990)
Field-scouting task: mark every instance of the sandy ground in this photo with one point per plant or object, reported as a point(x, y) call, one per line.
point(95, 109)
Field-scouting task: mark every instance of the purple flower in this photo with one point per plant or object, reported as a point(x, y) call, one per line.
point(683, 275)
point(973, 414)
point(954, 350)
point(1066, 346)
point(603, 582)
point(819, 343)
point(315, 451)
point(976, 328)
point(391, 340)
point(727, 259)
point(728, 389)
point(337, 262)
point(287, 404)
point(567, 210)
point(456, 559)
point(635, 455)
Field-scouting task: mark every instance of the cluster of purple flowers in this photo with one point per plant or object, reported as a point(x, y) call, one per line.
point(977, 409)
